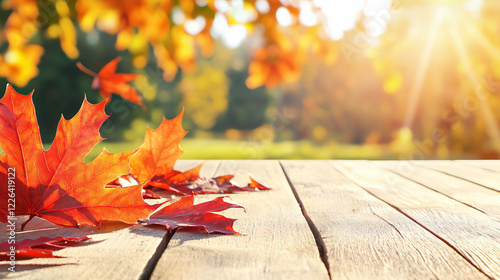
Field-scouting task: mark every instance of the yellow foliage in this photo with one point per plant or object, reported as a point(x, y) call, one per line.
point(319, 133)
point(393, 82)
point(205, 95)
point(20, 65)
point(264, 134)
point(68, 37)
point(233, 134)
point(147, 89)
point(141, 24)
point(403, 142)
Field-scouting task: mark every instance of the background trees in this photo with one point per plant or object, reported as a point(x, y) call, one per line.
point(401, 77)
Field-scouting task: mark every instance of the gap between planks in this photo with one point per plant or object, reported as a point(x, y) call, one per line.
point(474, 174)
point(150, 266)
point(472, 234)
point(277, 242)
point(323, 252)
point(208, 170)
point(366, 238)
point(463, 191)
point(116, 251)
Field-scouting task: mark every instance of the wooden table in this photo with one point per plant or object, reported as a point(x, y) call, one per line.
point(323, 219)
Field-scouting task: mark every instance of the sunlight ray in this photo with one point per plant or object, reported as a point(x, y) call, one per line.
point(490, 4)
point(483, 40)
point(493, 130)
point(421, 71)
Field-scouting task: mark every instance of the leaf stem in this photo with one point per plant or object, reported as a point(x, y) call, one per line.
point(85, 69)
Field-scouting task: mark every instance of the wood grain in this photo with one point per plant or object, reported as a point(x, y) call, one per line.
point(480, 176)
point(113, 253)
point(277, 244)
point(374, 223)
point(474, 235)
point(473, 195)
point(492, 165)
point(116, 251)
point(365, 238)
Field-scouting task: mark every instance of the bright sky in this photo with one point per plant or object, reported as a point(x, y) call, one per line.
point(336, 16)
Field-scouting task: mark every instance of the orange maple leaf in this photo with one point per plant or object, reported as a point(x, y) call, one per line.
point(160, 150)
point(57, 185)
point(107, 81)
point(154, 164)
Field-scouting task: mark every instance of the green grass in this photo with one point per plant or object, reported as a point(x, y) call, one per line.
point(225, 149)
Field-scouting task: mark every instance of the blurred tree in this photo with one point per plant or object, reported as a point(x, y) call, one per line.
point(410, 75)
point(246, 108)
point(174, 30)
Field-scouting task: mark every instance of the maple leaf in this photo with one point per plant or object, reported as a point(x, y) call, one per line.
point(38, 248)
point(154, 164)
point(160, 150)
point(128, 181)
point(220, 184)
point(107, 81)
point(3, 178)
point(183, 214)
point(57, 185)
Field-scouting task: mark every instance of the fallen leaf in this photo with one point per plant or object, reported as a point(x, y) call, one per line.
point(221, 184)
point(107, 81)
point(160, 150)
point(38, 248)
point(154, 164)
point(148, 193)
point(57, 185)
point(3, 178)
point(183, 214)
point(3, 216)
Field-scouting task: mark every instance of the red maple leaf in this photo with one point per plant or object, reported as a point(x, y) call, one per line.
point(4, 178)
point(38, 248)
point(154, 164)
point(197, 185)
point(183, 214)
point(57, 185)
point(107, 81)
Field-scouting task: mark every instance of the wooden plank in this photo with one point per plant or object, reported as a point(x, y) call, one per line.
point(277, 244)
point(492, 165)
point(473, 195)
point(115, 251)
point(480, 176)
point(473, 234)
point(364, 237)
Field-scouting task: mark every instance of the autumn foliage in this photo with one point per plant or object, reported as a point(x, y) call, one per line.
point(175, 31)
point(107, 81)
point(56, 184)
point(185, 214)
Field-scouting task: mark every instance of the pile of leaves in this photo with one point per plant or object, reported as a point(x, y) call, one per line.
point(56, 184)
